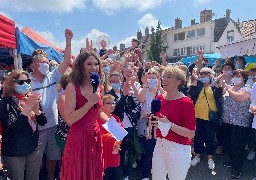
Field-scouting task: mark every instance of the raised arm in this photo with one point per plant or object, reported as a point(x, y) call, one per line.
point(67, 54)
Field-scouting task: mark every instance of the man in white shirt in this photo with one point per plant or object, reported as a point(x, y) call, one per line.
point(45, 83)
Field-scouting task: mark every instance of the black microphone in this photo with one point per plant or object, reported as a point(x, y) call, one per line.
point(155, 106)
point(95, 81)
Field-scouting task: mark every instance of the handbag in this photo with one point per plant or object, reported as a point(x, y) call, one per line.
point(214, 117)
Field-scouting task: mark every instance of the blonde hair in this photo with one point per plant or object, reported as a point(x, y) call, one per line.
point(107, 96)
point(177, 73)
point(152, 71)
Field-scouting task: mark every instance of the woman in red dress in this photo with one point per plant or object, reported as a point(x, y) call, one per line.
point(82, 157)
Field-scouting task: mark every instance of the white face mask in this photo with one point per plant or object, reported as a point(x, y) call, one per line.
point(236, 80)
point(43, 68)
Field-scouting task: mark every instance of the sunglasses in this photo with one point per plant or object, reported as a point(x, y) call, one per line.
point(21, 82)
point(204, 73)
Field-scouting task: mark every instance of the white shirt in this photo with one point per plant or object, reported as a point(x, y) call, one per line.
point(49, 96)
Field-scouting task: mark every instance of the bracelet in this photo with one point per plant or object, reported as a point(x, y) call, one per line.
point(68, 44)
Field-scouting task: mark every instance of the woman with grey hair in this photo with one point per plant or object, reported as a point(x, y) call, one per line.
point(205, 98)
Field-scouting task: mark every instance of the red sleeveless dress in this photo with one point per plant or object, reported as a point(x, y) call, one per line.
point(82, 157)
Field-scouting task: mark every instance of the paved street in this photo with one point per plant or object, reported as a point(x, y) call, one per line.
point(201, 171)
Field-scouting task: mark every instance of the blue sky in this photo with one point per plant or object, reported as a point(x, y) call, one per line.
point(119, 19)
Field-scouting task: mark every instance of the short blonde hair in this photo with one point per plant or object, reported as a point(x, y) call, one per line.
point(107, 96)
point(177, 73)
point(152, 71)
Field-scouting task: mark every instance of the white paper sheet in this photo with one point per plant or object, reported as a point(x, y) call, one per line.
point(116, 130)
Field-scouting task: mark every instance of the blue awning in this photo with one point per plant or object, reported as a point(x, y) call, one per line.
point(211, 58)
point(26, 46)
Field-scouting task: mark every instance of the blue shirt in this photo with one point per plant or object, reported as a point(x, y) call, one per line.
point(49, 95)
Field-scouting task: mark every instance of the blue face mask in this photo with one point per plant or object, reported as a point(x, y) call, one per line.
point(106, 69)
point(53, 68)
point(204, 80)
point(239, 66)
point(115, 86)
point(152, 83)
point(23, 89)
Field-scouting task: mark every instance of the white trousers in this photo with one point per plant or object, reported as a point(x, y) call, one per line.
point(172, 158)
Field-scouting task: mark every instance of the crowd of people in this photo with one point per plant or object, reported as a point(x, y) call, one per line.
point(55, 111)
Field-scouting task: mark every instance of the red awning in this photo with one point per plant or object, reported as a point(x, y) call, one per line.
point(7, 32)
point(36, 37)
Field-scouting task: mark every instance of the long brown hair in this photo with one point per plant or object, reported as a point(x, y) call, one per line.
point(77, 76)
point(8, 86)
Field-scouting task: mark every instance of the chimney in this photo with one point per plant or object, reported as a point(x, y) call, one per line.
point(139, 35)
point(228, 13)
point(205, 16)
point(115, 48)
point(193, 22)
point(146, 32)
point(178, 23)
point(122, 47)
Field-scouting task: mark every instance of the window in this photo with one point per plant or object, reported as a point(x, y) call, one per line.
point(189, 51)
point(191, 34)
point(194, 51)
point(201, 48)
point(181, 36)
point(175, 52)
point(182, 51)
point(175, 37)
point(200, 32)
point(230, 36)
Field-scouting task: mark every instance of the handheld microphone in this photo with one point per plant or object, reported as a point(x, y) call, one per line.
point(95, 81)
point(155, 107)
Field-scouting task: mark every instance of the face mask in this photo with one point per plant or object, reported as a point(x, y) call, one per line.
point(53, 68)
point(239, 66)
point(23, 89)
point(250, 77)
point(164, 128)
point(152, 83)
point(106, 69)
point(43, 68)
point(204, 80)
point(115, 86)
point(228, 73)
point(236, 80)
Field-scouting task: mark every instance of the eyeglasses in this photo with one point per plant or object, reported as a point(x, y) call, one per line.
point(21, 82)
point(204, 73)
point(109, 103)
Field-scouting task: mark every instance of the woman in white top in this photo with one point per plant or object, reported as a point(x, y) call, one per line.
point(151, 84)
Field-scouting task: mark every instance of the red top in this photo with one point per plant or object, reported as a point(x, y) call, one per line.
point(182, 113)
point(110, 159)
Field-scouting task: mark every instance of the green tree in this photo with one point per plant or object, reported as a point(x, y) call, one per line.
point(156, 45)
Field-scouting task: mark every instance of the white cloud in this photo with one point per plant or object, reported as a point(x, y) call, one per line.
point(46, 5)
point(111, 6)
point(200, 2)
point(77, 44)
point(127, 41)
point(148, 20)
